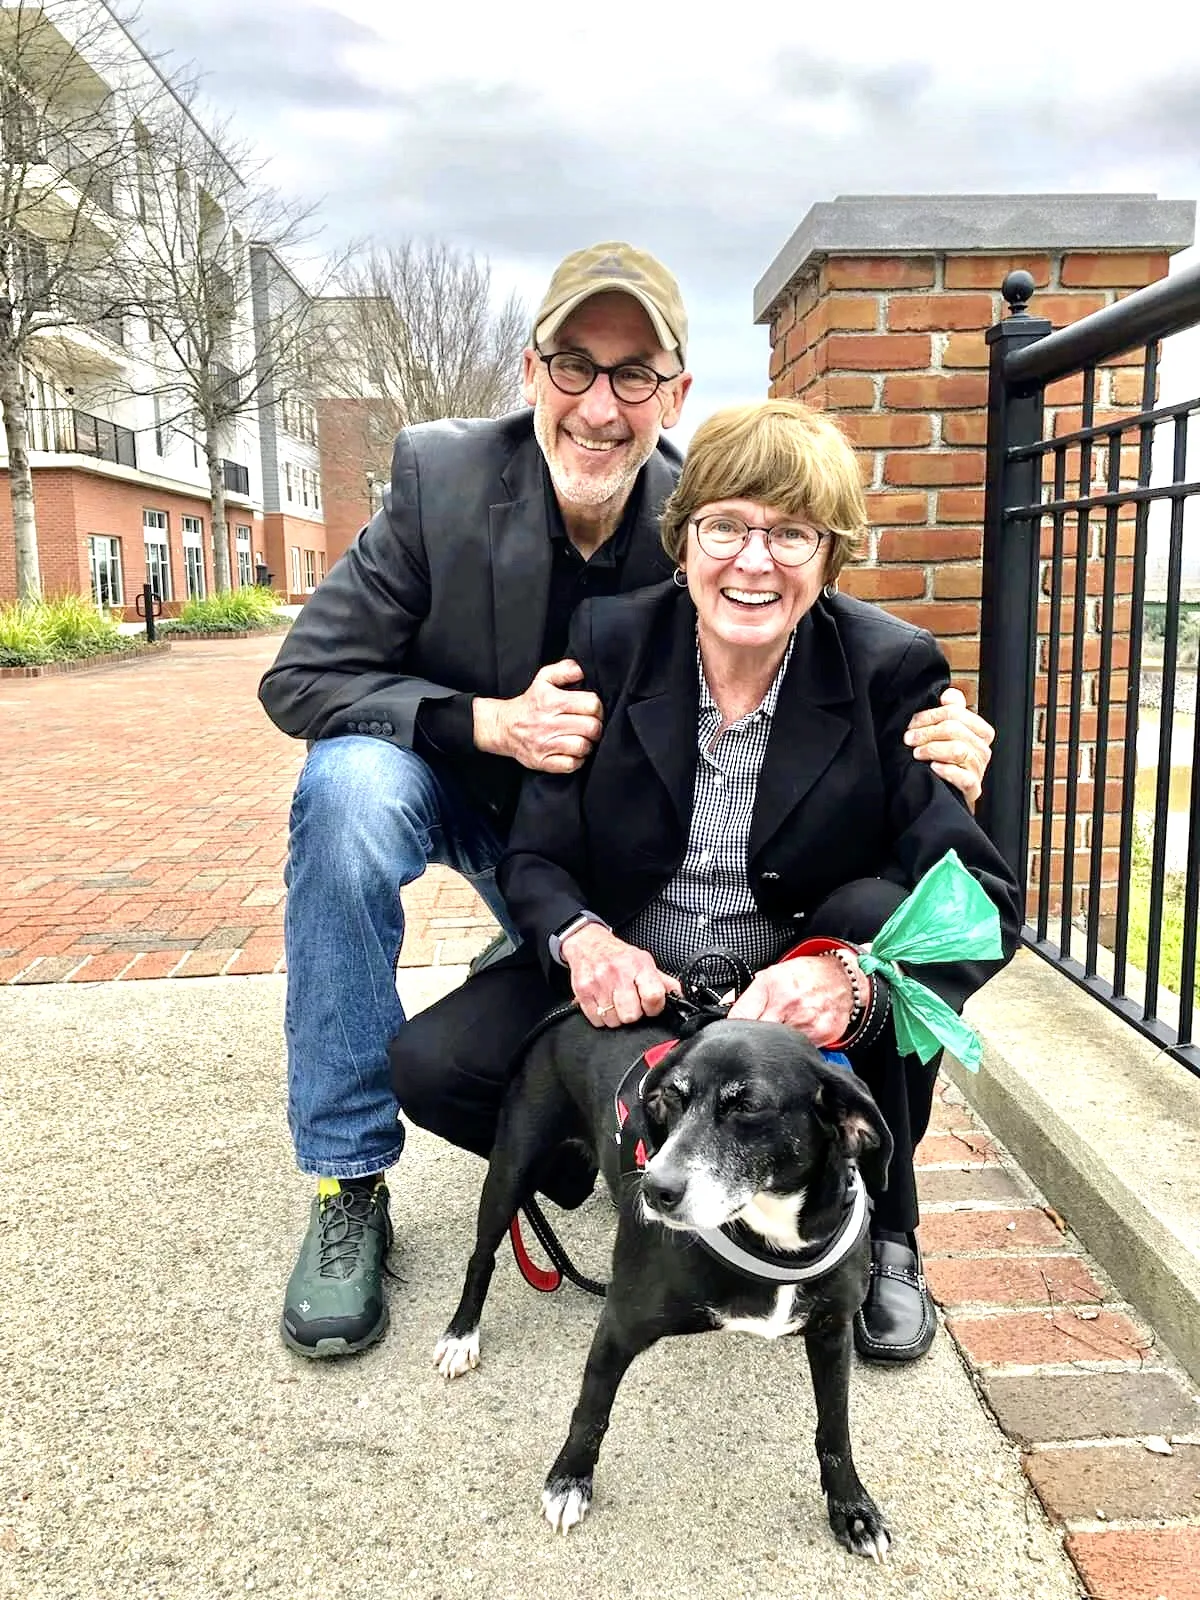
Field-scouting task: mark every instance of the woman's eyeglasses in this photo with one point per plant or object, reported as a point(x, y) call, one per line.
point(791, 544)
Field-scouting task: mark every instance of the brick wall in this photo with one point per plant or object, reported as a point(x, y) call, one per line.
point(350, 449)
point(282, 534)
point(893, 345)
point(72, 503)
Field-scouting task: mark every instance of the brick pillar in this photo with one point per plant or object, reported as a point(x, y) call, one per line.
point(877, 309)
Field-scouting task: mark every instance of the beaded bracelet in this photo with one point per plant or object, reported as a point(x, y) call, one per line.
point(857, 1009)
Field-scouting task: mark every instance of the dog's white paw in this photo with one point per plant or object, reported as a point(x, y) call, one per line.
point(454, 1356)
point(565, 1502)
point(861, 1528)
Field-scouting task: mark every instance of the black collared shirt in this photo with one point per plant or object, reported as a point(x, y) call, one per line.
point(573, 579)
point(445, 727)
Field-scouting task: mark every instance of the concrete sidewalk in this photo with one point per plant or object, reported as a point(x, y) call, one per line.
point(161, 1442)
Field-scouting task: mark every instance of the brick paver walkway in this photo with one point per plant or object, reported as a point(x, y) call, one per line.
point(144, 812)
point(1108, 1427)
point(143, 821)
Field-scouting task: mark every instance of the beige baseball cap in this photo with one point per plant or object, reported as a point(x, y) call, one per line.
point(613, 266)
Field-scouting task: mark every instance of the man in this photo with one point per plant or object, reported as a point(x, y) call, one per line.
point(427, 670)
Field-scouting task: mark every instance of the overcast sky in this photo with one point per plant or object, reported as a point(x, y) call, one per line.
point(524, 131)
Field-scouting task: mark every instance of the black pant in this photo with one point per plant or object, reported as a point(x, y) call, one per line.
point(451, 1064)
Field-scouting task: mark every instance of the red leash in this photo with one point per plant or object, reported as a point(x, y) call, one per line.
point(544, 1279)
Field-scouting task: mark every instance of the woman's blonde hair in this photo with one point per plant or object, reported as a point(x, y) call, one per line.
point(779, 453)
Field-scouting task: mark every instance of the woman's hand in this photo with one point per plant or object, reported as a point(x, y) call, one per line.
point(956, 742)
point(812, 993)
point(614, 982)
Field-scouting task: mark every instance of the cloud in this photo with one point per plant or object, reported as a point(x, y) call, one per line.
point(706, 145)
point(267, 52)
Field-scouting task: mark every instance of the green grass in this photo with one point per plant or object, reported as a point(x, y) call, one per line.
point(65, 628)
point(1170, 970)
point(231, 612)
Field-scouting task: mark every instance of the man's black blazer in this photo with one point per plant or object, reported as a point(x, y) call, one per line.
point(445, 590)
point(839, 796)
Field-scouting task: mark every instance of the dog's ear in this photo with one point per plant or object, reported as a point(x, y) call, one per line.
point(846, 1108)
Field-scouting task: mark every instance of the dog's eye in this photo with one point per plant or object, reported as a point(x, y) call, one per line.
point(747, 1108)
point(754, 1113)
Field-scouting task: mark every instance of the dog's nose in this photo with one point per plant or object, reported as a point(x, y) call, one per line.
point(663, 1191)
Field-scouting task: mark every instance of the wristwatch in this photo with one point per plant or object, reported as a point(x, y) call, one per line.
point(572, 925)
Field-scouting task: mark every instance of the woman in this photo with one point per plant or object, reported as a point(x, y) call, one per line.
point(751, 789)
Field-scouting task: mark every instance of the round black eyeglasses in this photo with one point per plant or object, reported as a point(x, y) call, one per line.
point(791, 544)
point(631, 381)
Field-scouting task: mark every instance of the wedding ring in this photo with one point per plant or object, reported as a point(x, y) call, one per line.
point(602, 1011)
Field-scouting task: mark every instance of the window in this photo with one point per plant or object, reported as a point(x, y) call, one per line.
point(295, 569)
point(304, 477)
point(320, 563)
point(193, 556)
point(104, 558)
point(241, 540)
point(310, 570)
point(299, 419)
point(160, 435)
point(316, 490)
point(158, 554)
point(287, 479)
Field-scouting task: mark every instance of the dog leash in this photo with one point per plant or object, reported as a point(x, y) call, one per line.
point(704, 981)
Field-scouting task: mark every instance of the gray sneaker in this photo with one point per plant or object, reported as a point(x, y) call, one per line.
point(334, 1303)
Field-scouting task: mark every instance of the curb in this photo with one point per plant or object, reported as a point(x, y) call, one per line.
point(215, 635)
point(1106, 1127)
point(113, 658)
point(1107, 1426)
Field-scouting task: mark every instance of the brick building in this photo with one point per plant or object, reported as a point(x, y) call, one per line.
point(117, 456)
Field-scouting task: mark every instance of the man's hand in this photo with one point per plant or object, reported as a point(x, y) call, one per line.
point(811, 993)
point(549, 728)
point(956, 742)
point(614, 982)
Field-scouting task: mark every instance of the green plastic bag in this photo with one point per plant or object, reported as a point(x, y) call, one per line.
point(947, 917)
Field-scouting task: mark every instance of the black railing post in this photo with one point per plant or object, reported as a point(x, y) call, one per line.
point(148, 605)
point(1009, 606)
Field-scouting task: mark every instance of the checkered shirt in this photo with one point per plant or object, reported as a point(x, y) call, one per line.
point(708, 904)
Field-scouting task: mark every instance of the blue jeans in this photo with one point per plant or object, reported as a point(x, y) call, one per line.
point(367, 818)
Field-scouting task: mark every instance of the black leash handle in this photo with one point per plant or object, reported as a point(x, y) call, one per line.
point(559, 1258)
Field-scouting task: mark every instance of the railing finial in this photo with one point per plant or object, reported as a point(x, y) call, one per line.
point(1017, 289)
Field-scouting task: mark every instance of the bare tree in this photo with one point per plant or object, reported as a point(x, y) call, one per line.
point(419, 335)
point(67, 75)
point(224, 340)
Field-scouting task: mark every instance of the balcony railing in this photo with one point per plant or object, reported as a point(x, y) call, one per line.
point(62, 431)
point(237, 477)
point(227, 383)
point(75, 165)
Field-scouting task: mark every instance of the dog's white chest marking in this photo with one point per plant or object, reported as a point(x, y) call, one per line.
point(786, 1317)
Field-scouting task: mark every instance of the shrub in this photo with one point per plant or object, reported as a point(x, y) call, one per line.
point(233, 611)
point(65, 628)
point(74, 627)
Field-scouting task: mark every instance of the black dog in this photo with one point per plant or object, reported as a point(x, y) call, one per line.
point(741, 1138)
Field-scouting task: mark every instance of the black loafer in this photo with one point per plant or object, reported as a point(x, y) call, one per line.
point(896, 1321)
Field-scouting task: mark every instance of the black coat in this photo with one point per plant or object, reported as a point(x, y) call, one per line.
point(839, 797)
point(444, 591)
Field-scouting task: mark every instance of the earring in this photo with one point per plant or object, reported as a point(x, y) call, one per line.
point(830, 589)
point(679, 578)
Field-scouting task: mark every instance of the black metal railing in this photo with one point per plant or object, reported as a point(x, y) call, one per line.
point(1085, 560)
point(227, 384)
point(237, 477)
point(64, 431)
